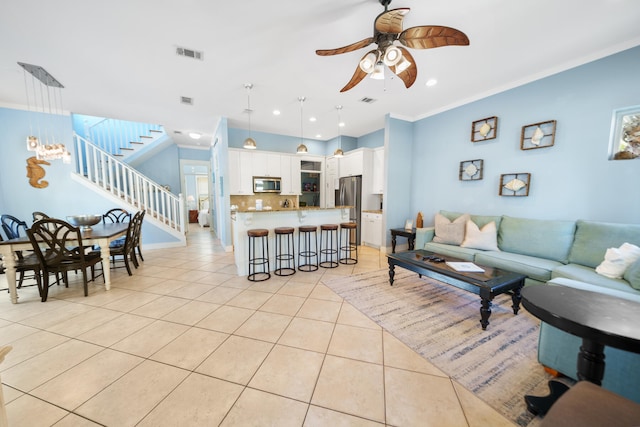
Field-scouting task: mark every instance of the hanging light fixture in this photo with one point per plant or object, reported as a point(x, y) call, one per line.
point(302, 149)
point(249, 143)
point(50, 149)
point(339, 152)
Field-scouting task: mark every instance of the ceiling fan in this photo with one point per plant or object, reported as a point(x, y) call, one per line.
point(387, 28)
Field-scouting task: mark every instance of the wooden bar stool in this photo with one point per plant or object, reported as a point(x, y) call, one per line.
point(306, 252)
point(348, 247)
point(329, 245)
point(287, 257)
point(260, 260)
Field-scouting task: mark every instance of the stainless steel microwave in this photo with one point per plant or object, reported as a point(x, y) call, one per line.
point(266, 184)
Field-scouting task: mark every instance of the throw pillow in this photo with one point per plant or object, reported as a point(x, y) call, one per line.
point(632, 275)
point(616, 260)
point(485, 238)
point(450, 232)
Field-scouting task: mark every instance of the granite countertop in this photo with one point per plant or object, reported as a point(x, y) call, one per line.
point(281, 209)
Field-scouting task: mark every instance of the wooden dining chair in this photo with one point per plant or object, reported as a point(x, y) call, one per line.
point(26, 261)
point(58, 246)
point(116, 215)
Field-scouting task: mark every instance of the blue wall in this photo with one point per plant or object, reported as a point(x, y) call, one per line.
point(572, 179)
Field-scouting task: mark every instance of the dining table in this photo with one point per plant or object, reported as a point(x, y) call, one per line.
point(99, 235)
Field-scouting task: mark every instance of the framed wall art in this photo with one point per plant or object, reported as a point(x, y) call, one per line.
point(515, 184)
point(484, 129)
point(471, 170)
point(538, 135)
point(624, 141)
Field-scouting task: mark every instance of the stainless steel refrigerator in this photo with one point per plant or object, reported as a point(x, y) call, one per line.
point(350, 194)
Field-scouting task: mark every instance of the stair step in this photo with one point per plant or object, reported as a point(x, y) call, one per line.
point(126, 148)
point(155, 130)
point(146, 137)
point(136, 142)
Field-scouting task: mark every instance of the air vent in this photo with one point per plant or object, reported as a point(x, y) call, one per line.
point(190, 53)
point(177, 132)
point(186, 100)
point(367, 100)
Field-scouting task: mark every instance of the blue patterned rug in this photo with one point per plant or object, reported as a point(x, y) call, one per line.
point(442, 323)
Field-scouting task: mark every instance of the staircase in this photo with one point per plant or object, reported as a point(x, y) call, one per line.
point(102, 171)
point(121, 137)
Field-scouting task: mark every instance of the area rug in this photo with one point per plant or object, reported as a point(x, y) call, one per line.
point(442, 323)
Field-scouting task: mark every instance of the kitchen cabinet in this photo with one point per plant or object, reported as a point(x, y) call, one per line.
point(266, 164)
point(290, 174)
point(351, 164)
point(240, 172)
point(332, 182)
point(371, 234)
point(377, 179)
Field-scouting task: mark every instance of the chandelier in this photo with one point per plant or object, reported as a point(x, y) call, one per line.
point(47, 98)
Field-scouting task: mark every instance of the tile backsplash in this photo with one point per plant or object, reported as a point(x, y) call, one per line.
point(268, 200)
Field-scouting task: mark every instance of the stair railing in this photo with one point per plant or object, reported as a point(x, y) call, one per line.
point(128, 185)
point(119, 136)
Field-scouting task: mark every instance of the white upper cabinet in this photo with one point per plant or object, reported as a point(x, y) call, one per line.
point(240, 172)
point(290, 174)
point(377, 179)
point(266, 164)
point(351, 164)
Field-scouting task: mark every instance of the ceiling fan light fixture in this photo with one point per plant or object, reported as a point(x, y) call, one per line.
point(368, 63)
point(378, 71)
point(392, 56)
point(402, 65)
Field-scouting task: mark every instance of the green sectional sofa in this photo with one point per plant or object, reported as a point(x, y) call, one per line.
point(562, 253)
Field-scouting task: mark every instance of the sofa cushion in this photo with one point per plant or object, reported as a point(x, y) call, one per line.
point(625, 293)
point(450, 232)
point(589, 275)
point(465, 254)
point(536, 268)
point(594, 238)
point(479, 220)
point(549, 239)
point(632, 275)
point(485, 238)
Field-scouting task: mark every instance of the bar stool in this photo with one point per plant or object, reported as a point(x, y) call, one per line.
point(263, 259)
point(285, 233)
point(329, 245)
point(348, 245)
point(307, 233)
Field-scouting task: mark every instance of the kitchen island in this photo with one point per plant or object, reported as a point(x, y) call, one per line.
point(285, 217)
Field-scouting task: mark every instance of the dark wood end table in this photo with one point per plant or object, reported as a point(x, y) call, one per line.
point(599, 319)
point(409, 234)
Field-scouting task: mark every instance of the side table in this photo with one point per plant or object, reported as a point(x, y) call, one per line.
point(409, 234)
point(599, 319)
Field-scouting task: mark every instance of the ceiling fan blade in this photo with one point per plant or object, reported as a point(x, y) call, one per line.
point(410, 74)
point(390, 22)
point(357, 77)
point(349, 48)
point(430, 36)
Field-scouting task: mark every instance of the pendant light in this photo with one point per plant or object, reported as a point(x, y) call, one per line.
point(249, 143)
point(302, 149)
point(339, 152)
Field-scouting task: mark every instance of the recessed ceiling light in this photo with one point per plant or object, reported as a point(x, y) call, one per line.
point(312, 119)
point(431, 82)
point(341, 124)
point(276, 112)
point(195, 135)
point(318, 136)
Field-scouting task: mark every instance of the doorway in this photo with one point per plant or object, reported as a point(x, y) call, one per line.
point(196, 189)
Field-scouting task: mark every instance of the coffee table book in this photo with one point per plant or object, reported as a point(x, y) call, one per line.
point(465, 266)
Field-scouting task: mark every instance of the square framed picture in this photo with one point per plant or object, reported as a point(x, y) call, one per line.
point(624, 141)
point(515, 184)
point(538, 135)
point(471, 170)
point(408, 225)
point(484, 129)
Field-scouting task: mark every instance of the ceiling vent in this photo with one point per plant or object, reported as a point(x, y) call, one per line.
point(189, 53)
point(186, 100)
point(367, 100)
point(177, 132)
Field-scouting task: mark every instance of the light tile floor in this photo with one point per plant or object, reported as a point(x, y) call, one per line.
point(186, 342)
